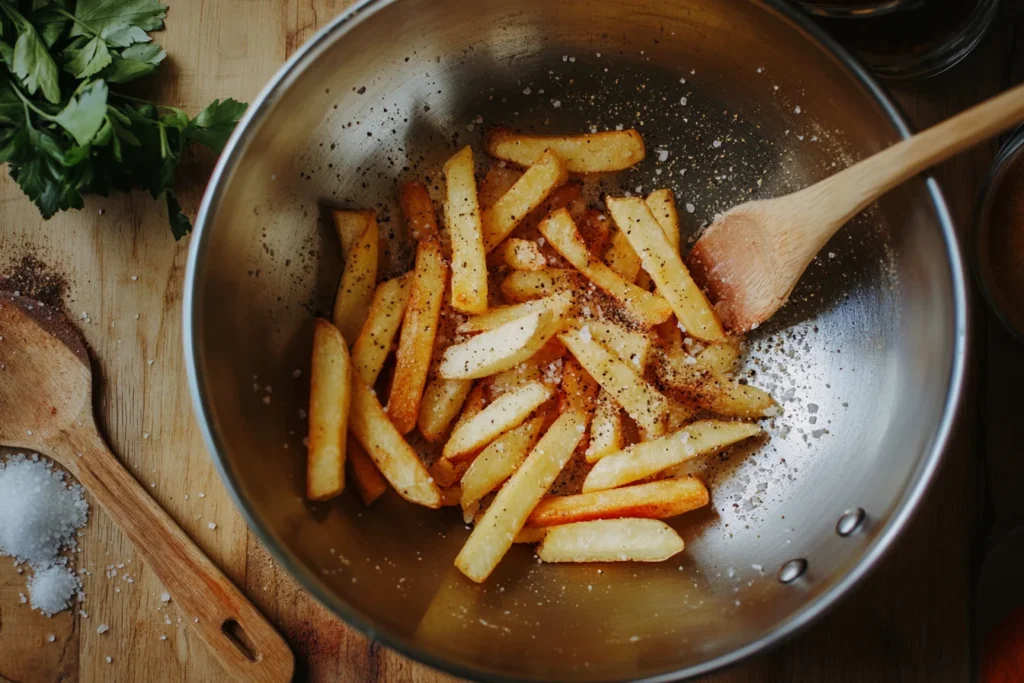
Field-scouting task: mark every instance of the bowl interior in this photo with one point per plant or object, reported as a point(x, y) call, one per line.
point(735, 100)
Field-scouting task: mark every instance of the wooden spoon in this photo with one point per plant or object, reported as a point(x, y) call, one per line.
point(750, 259)
point(46, 406)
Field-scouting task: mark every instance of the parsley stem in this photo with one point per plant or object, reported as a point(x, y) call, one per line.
point(163, 140)
point(88, 29)
point(29, 105)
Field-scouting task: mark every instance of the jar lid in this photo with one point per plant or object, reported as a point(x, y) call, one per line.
point(998, 240)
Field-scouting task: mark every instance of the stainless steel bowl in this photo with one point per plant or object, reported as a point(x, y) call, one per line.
point(735, 99)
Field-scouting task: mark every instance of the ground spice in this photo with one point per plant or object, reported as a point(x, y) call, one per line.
point(32, 278)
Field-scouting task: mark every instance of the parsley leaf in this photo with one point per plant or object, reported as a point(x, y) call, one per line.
point(31, 60)
point(86, 58)
point(85, 113)
point(100, 15)
point(213, 125)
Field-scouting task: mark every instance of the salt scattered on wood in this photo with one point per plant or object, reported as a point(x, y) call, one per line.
point(52, 589)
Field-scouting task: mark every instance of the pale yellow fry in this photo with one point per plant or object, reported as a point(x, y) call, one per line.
point(662, 204)
point(392, 454)
point(382, 322)
point(494, 533)
point(370, 483)
point(498, 461)
point(419, 329)
point(679, 415)
point(462, 214)
point(610, 540)
point(329, 400)
point(527, 194)
point(605, 428)
point(577, 390)
point(418, 209)
point(593, 153)
point(620, 256)
point(504, 413)
point(442, 401)
point(514, 377)
point(698, 384)
point(631, 346)
point(358, 281)
point(653, 500)
point(499, 315)
point(666, 268)
point(520, 254)
point(643, 460)
point(561, 233)
point(720, 358)
point(497, 181)
point(350, 225)
point(523, 285)
point(501, 348)
point(636, 396)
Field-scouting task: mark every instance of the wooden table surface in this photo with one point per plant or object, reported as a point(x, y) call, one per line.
point(908, 622)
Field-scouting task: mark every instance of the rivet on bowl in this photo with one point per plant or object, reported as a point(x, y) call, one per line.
point(850, 521)
point(792, 570)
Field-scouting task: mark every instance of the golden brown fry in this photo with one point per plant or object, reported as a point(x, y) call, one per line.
point(696, 383)
point(531, 535)
point(527, 194)
point(631, 346)
point(501, 348)
point(494, 533)
point(419, 328)
point(498, 461)
point(593, 153)
point(654, 500)
point(662, 204)
point(462, 214)
point(620, 256)
point(577, 390)
point(610, 540)
point(392, 454)
point(442, 401)
point(500, 315)
point(349, 226)
point(644, 306)
point(359, 279)
point(497, 181)
point(370, 483)
point(418, 210)
point(519, 254)
point(666, 268)
point(605, 428)
point(523, 285)
point(329, 399)
point(720, 358)
point(636, 396)
point(648, 458)
point(385, 317)
point(507, 411)
point(595, 229)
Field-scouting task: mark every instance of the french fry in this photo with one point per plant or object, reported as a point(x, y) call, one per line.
point(595, 229)
point(629, 345)
point(593, 153)
point(520, 254)
point(448, 472)
point(329, 400)
point(530, 535)
point(358, 280)
point(506, 412)
point(643, 460)
point(382, 322)
point(497, 181)
point(507, 380)
point(418, 209)
point(559, 302)
point(720, 358)
point(669, 332)
point(605, 428)
point(620, 256)
point(494, 533)
point(419, 328)
point(696, 383)
point(578, 390)
point(498, 461)
point(663, 207)
point(644, 306)
point(666, 268)
point(679, 415)
point(350, 225)
point(441, 403)
point(636, 396)
point(653, 500)
point(610, 540)
point(462, 213)
point(527, 194)
point(392, 454)
point(370, 483)
point(501, 348)
point(523, 285)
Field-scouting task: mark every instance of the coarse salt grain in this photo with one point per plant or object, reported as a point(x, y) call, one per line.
point(52, 589)
point(103, 628)
point(212, 525)
point(165, 597)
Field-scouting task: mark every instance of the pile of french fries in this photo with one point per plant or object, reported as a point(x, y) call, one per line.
point(535, 338)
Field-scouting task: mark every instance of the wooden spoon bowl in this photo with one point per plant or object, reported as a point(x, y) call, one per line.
point(46, 404)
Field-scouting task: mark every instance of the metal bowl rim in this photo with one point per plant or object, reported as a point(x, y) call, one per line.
point(799, 620)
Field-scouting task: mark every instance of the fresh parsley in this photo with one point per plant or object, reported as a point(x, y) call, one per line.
point(64, 133)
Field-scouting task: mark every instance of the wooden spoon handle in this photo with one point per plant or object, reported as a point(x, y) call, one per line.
point(854, 188)
point(241, 638)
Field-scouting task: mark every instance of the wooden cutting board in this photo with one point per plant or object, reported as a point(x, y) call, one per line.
point(126, 275)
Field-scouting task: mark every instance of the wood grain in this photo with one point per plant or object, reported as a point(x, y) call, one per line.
point(893, 628)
